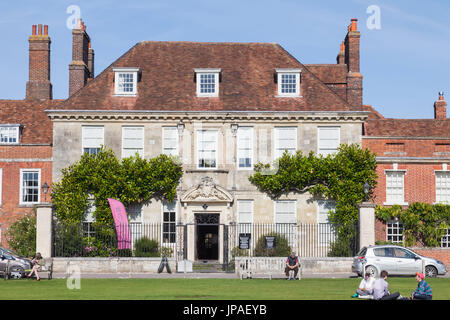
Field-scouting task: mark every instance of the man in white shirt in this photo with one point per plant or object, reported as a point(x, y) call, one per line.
point(381, 288)
point(365, 287)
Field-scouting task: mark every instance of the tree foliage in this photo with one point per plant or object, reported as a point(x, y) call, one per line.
point(422, 222)
point(340, 177)
point(21, 235)
point(103, 176)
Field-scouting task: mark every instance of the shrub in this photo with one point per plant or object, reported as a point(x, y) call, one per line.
point(281, 249)
point(146, 247)
point(22, 235)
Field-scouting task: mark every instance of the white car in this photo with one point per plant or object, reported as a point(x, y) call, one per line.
point(395, 260)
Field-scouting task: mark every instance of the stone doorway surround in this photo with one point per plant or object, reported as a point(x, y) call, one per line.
point(206, 198)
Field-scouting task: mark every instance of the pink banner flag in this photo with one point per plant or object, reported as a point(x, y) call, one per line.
point(121, 222)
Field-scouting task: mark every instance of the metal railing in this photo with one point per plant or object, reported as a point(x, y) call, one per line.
point(90, 239)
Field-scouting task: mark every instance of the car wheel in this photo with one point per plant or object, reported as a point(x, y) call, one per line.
point(372, 270)
point(430, 272)
point(17, 272)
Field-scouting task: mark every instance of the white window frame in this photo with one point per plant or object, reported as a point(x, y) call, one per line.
point(10, 131)
point(320, 148)
point(198, 75)
point(245, 227)
point(239, 135)
point(444, 195)
point(163, 206)
point(164, 136)
point(122, 71)
point(1, 186)
point(291, 236)
point(283, 72)
point(216, 149)
point(277, 141)
point(140, 149)
point(390, 200)
point(330, 236)
point(445, 240)
point(22, 171)
point(83, 138)
point(396, 225)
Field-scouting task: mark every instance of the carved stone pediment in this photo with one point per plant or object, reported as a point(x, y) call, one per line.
point(207, 191)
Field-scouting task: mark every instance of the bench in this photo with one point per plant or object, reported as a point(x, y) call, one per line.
point(250, 267)
point(46, 266)
point(5, 272)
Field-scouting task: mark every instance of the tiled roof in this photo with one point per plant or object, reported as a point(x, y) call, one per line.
point(407, 128)
point(168, 83)
point(30, 114)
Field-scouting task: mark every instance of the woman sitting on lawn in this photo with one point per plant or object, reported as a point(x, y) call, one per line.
point(35, 263)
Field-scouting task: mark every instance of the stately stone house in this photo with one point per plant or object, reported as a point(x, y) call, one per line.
point(220, 108)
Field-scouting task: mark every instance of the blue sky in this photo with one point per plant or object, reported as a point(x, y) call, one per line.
point(405, 63)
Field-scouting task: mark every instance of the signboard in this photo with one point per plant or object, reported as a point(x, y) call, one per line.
point(244, 240)
point(269, 242)
point(121, 222)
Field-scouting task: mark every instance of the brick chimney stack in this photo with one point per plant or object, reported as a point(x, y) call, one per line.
point(354, 77)
point(79, 70)
point(440, 108)
point(91, 62)
point(39, 86)
point(340, 59)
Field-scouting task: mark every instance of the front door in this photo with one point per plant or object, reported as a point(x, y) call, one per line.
point(207, 243)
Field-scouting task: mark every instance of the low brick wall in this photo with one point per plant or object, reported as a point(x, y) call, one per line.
point(111, 265)
point(442, 254)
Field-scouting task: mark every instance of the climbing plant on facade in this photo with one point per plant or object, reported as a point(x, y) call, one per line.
point(102, 176)
point(339, 177)
point(422, 222)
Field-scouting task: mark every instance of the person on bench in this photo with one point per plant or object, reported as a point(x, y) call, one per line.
point(292, 264)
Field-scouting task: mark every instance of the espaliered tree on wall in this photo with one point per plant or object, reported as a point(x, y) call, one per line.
point(422, 222)
point(103, 176)
point(339, 177)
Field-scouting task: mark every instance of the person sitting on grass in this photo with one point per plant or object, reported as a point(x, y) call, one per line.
point(35, 263)
point(423, 291)
point(365, 287)
point(292, 263)
point(381, 288)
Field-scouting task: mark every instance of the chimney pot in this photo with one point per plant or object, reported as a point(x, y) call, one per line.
point(353, 25)
point(46, 30)
point(34, 30)
point(40, 29)
point(441, 96)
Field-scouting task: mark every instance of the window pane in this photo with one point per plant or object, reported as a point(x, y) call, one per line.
point(30, 186)
point(285, 139)
point(132, 141)
point(206, 148)
point(245, 147)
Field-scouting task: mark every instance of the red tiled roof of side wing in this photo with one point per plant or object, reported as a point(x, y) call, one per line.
point(30, 114)
point(407, 128)
point(168, 83)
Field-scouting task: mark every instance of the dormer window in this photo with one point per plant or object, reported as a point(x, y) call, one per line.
point(125, 81)
point(9, 133)
point(288, 82)
point(207, 82)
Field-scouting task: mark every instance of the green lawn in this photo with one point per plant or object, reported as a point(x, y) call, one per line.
point(210, 289)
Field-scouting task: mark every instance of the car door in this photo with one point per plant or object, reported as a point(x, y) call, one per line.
point(406, 262)
point(384, 259)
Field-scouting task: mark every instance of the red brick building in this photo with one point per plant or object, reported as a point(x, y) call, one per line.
point(413, 163)
point(26, 133)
